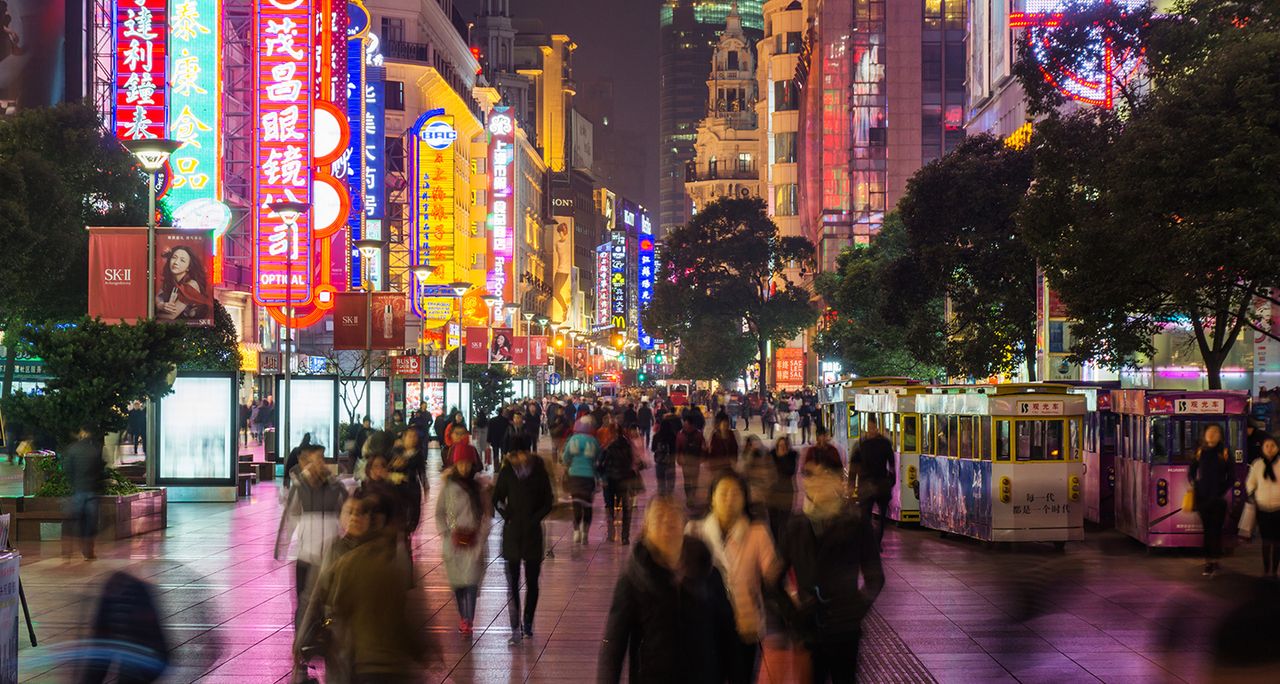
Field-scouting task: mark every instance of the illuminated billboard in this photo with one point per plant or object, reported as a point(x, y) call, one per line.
point(645, 268)
point(502, 196)
point(603, 260)
point(618, 280)
point(141, 63)
point(1093, 80)
point(195, 111)
point(283, 49)
point(354, 155)
point(431, 211)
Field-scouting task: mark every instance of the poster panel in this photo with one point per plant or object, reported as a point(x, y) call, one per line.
point(184, 290)
point(118, 274)
point(561, 269)
point(387, 330)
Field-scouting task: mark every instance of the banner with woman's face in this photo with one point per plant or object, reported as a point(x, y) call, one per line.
point(118, 275)
point(184, 289)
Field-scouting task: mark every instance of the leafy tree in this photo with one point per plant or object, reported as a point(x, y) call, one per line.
point(212, 348)
point(60, 172)
point(490, 385)
point(725, 270)
point(707, 352)
point(961, 245)
point(1166, 214)
point(96, 370)
point(857, 331)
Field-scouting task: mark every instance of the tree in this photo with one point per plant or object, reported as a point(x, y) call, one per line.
point(96, 370)
point(726, 270)
point(212, 348)
point(60, 172)
point(1165, 214)
point(350, 367)
point(490, 384)
point(856, 330)
point(962, 245)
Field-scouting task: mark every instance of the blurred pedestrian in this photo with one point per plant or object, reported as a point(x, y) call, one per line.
point(1211, 478)
point(463, 520)
point(722, 452)
point(1263, 487)
point(311, 510)
point(522, 495)
point(670, 618)
point(644, 421)
point(826, 550)
point(691, 448)
point(291, 461)
point(126, 635)
point(580, 454)
point(756, 467)
point(137, 422)
point(663, 447)
point(871, 466)
point(498, 426)
point(743, 552)
point(619, 468)
point(782, 494)
point(824, 452)
point(86, 472)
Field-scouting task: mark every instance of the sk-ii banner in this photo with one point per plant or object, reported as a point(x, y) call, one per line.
point(477, 345)
point(350, 310)
point(118, 275)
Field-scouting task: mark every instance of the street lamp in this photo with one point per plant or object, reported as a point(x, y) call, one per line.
point(421, 273)
point(152, 153)
point(492, 301)
point(528, 338)
point(289, 213)
point(369, 249)
point(459, 288)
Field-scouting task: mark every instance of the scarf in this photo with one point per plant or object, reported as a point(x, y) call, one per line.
point(1268, 470)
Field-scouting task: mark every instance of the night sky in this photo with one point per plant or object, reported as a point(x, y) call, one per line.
point(617, 40)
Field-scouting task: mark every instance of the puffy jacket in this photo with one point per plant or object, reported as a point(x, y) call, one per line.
point(580, 454)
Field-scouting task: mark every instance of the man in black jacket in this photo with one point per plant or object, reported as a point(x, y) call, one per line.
point(522, 496)
point(670, 617)
point(827, 548)
point(86, 473)
point(498, 426)
point(644, 421)
point(872, 465)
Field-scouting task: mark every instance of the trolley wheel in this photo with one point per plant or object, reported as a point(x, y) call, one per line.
point(1059, 545)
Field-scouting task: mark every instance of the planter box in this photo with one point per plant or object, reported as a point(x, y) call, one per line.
point(119, 517)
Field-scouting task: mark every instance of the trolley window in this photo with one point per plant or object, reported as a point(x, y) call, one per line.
point(952, 434)
point(910, 438)
point(1039, 440)
point(984, 438)
point(1108, 425)
point(1002, 440)
point(930, 445)
point(1073, 439)
point(965, 438)
point(1159, 441)
point(855, 426)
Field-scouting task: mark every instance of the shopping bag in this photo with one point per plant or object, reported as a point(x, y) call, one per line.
point(1189, 501)
point(1248, 518)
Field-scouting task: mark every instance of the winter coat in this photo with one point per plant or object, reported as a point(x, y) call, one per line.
point(523, 503)
point(671, 629)
point(1266, 491)
point(617, 461)
point(464, 565)
point(580, 454)
point(747, 561)
point(691, 443)
point(85, 467)
point(828, 556)
point(498, 430)
point(782, 495)
point(311, 510)
point(1211, 473)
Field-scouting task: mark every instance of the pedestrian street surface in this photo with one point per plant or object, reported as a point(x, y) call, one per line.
point(951, 611)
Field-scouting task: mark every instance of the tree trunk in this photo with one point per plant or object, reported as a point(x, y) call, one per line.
point(762, 345)
point(10, 359)
point(1213, 368)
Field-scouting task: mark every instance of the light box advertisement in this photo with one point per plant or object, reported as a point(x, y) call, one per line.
point(314, 411)
point(198, 432)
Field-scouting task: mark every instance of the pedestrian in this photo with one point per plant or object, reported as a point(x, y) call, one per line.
point(291, 461)
point(522, 495)
point(440, 427)
point(533, 422)
point(691, 447)
point(242, 422)
point(362, 435)
point(663, 447)
point(137, 422)
point(311, 510)
point(722, 452)
point(619, 467)
point(743, 552)
point(644, 421)
point(826, 452)
point(518, 437)
point(580, 454)
point(782, 495)
point(670, 619)
point(86, 472)
point(768, 419)
point(126, 634)
point(1211, 478)
point(826, 550)
point(871, 467)
point(1255, 433)
point(1264, 490)
point(806, 421)
point(756, 467)
point(498, 433)
point(462, 519)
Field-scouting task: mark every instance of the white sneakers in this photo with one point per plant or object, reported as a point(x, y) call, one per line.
point(577, 536)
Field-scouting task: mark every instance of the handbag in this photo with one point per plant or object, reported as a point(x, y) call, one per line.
point(1189, 501)
point(1248, 519)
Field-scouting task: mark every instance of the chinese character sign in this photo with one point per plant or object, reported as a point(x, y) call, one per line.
point(141, 60)
point(618, 279)
point(645, 274)
point(375, 143)
point(283, 45)
point(603, 260)
point(788, 367)
point(501, 202)
point(194, 99)
point(431, 211)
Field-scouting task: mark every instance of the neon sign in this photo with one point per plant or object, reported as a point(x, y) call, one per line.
point(141, 60)
point(195, 65)
point(354, 155)
point(283, 61)
point(644, 276)
point(618, 279)
point(603, 259)
point(501, 203)
point(1094, 81)
point(431, 212)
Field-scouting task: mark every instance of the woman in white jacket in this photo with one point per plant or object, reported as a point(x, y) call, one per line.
point(463, 519)
point(743, 552)
point(1263, 486)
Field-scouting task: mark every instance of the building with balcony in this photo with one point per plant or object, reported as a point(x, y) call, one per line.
point(728, 139)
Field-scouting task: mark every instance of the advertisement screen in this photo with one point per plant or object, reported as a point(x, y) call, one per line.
point(353, 401)
point(561, 269)
point(313, 411)
point(184, 292)
point(437, 398)
point(197, 431)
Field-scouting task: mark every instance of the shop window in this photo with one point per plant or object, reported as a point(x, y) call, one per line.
point(1002, 440)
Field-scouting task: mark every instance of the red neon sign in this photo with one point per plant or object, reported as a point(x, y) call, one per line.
point(141, 59)
point(1085, 83)
point(283, 61)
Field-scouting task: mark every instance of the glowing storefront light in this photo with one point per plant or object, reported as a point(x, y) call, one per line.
point(603, 260)
point(140, 75)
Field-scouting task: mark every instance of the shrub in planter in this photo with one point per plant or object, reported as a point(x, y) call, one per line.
point(56, 484)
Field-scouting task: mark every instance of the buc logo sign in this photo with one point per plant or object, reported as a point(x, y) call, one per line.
point(438, 134)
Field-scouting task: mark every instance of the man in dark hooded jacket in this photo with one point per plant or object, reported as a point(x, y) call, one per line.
point(522, 496)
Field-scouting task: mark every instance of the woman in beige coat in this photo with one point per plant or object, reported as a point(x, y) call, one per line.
point(743, 552)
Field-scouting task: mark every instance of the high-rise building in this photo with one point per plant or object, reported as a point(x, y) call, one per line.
point(725, 162)
point(779, 110)
point(883, 93)
point(690, 30)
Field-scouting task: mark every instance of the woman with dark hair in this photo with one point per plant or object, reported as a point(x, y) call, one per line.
point(782, 493)
point(1263, 485)
point(291, 460)
point(1211, 477)
point(462, 518)
point(743, 552)
point(183, 287)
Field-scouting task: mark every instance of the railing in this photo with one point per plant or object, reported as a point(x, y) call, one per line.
point(748, 173)
point(413, 52)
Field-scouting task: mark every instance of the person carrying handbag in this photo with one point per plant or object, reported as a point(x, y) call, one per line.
point(1263, 485)
point(463, 520)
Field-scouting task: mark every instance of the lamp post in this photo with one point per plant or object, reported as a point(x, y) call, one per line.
point(369, 248)
point(542, 332)
point(492, 301)
point(421, 273)
point(289, 213)
point(152, 153)
point(459, 288)
point(528, 338)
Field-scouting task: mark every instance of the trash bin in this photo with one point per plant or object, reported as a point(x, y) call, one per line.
point(269, 445)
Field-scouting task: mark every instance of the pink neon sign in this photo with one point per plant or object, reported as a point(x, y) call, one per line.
point(141, 59)
point(283, 65)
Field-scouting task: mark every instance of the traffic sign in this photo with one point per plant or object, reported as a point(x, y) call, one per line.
point(553, 379)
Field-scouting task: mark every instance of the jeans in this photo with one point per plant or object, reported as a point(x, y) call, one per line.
point(584, 496)
point(302, 572)
point(665, 472)
point(531, 570)
point(1213, 514)
point(883, 492)
point(466, 598)
point(83, 510)
point(618, 493)
point(835, 662)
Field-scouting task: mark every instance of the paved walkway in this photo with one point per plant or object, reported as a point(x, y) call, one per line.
point(952, 610)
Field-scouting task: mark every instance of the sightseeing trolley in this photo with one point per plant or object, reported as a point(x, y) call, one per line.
point(1100, 433)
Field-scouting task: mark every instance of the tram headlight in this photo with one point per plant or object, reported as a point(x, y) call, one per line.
point(1162, 492)
point(1006, 490)
point(1073, 488)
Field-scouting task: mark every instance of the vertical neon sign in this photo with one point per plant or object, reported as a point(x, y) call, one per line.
point(618, 279)
point(431, 209)
point(603, 259)
point(644, 276)
point(195, 66)
point(141, 61)
point(283, 59)
point(502, 197)
point(357, 29)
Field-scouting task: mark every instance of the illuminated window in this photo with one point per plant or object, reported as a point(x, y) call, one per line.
point(784, 200)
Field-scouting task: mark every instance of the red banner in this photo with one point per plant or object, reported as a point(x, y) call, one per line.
point(478, 344)
point(349, 328)
point(139, 90)
point(118, 274)
point(789, 367)
point(524, 354)
point(406, 365)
